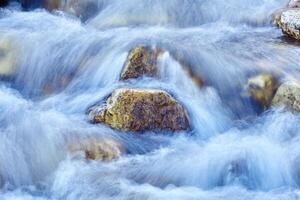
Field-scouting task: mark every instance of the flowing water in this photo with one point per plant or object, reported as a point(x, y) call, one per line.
point(64, 65)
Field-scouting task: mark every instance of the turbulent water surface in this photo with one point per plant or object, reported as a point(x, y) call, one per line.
point(65, 65)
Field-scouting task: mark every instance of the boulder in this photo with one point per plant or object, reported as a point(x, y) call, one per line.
point(141, 61)
point(290, 23)
point(105, 149)
point(141, 110)
point(276, 16)
point(262, 88)
point(288, 95)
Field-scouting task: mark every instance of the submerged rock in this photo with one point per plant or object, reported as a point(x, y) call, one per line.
point(141, 61)
point(98, 149)
point(290, 23)
point(288, 95)
point(262, 88)
point(141, 110)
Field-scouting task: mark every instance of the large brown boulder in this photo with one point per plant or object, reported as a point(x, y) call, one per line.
point(288, 95)
point(141, 110)
point(105, 149)
point(141, 61)
point(262, 88)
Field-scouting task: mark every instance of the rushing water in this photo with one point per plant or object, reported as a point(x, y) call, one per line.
point(65, 65)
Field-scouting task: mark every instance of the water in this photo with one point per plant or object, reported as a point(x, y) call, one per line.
point(65, 64)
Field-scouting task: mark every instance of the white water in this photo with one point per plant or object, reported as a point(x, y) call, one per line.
point(231, 153)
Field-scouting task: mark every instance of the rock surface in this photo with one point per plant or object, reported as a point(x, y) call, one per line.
point(288, 95)
point(98, 149)
point(141, 110)
point(290, 23)
point(84, 9)
point(262, 89)
point(7, 59)
point(141, 61)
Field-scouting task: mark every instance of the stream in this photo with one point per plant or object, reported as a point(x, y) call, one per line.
point(66, 64)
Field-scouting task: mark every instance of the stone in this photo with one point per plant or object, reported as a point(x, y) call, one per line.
point(141, 61)
point(262, 88)
point(294, 4)
point(288, 95)
point(84, 9)
point(103, 149)
point(7, 59)
point(141, 110)
point(290, 23)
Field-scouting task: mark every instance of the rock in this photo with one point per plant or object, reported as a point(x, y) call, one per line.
point(84, 9)
point(290, 23)
point(98, 149)
point(48, 4)
point(288, 95)
point(294, 4)
point(7, 59)
point(3, 3)
point(262, 89)
point(141, 61)
point(52, 4)
point(276, 16)
point(141, 110)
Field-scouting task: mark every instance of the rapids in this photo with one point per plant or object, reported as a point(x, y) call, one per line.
point(66, 64)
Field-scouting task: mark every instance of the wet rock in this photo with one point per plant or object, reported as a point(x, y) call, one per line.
point(288, 95)
point(84, 9)
point(7, 59)
point(290, 23)
point(294, 4)
point(104, 149)
point(48, 4)
point(141, 61)
point(262, 88)
point(276, 16)
point(140, 110)
point(3, 3)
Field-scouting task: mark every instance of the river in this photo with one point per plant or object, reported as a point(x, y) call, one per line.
point(65, 65)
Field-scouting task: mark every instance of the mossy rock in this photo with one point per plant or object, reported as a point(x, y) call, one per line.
point(141, 61)
point(141, 110)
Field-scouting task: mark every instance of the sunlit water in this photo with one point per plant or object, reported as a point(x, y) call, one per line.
point(65, 65)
